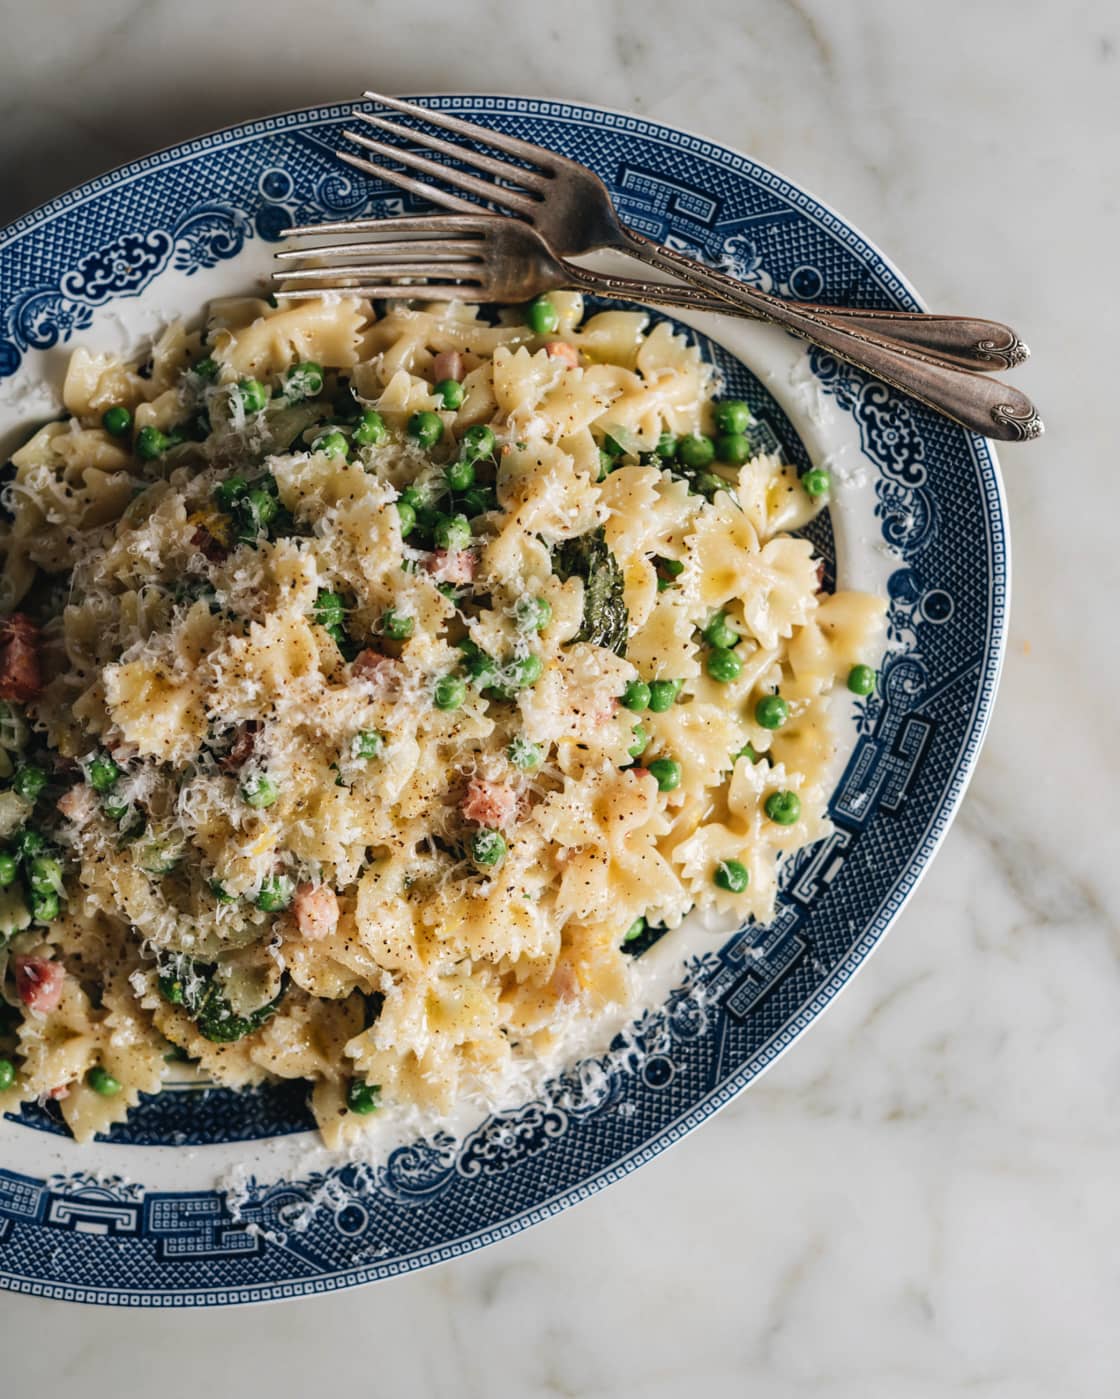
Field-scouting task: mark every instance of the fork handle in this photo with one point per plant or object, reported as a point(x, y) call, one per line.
point(975, 401)
point(965, 341)
point(969, 341)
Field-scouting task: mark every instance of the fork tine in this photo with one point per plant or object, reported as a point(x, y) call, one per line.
point(524, 150)
point(475, 222)
point(395, 291)
point(517, 174)
point(432, 193)
point(485, 189)
point(385, 270)
point(428, 250)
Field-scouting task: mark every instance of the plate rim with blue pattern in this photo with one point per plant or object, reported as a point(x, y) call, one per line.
point(119, 1222)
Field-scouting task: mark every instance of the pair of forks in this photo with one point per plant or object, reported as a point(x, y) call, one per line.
point(560, 210)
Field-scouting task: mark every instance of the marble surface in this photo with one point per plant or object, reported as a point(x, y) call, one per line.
point(920, 1199)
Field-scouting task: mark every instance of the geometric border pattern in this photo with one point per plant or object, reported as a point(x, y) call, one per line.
point(113, 1241)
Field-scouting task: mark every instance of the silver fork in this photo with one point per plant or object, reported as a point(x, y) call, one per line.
point(572, 209)
point(459, 257)
point(483, 258)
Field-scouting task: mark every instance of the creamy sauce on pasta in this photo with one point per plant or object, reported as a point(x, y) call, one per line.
point(402, 674)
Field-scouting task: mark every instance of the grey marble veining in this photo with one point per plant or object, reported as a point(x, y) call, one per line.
point(920, 1199)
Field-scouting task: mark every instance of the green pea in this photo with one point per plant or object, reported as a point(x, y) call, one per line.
point(426, 428)
point(260, 791)
point(532, 613)
point(707, 483)
point(612, 446)
point(452, 533)
point(783, 808)
point(488, 848)
point(481, 667)
point(732, 416)
point(397, 626)
point(367, 744)
point(542, 316)
point(635, 930)
point(451, 391)
point(523, 754)
point(44, 875)
point(733, 447)
point(44, 907)
point(103, 773)
point(275, 894)
point(667, 772)
point(207, 368)
point(667, 445)
point(151, 443)
point(639, 741)
point(527, 671)
point(861, 679)
point(9, 867)
point(304, 380)
point(260, 508)
point(406, 518)
point(28, 781)
point(636, 696)
point(330, 608)
point(663, 694)
point(718, 632)
point(816, 482)
point(332, 444)
point(449, 692)
point(7, 1074)
point(253, 395)
point(771, 712)
point(460, 475)
point(103, 1082)
point(696, 451)
point(227, 493)
point(732, 876)
point(371, 429)
point(363, 1098)
point(723, 665)
point(606, 464)
point(116, 421)
point(479, 500)
point(419, 495)
point(747, 751)
point(29, 842)
point(478, 442)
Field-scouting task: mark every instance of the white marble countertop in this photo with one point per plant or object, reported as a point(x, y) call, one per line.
point(921, 1199)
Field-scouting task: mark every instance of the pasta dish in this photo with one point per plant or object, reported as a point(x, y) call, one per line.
point(375, 682)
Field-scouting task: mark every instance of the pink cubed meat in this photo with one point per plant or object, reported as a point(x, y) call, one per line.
point(492, 804)
point(316, 910)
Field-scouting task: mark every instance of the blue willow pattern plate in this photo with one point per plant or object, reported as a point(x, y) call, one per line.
point(139, 1218)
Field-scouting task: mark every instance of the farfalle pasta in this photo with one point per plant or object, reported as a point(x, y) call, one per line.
point(374, 683)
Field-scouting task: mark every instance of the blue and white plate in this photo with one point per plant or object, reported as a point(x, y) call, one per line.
point(212, 1197)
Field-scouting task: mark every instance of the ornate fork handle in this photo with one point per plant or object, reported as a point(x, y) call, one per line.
point(966, 340)
point(976, 401)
